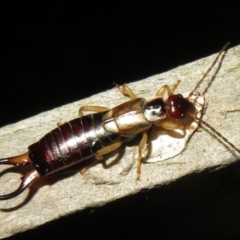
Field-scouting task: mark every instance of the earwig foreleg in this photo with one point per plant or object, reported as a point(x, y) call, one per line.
point(91, 108)
point(140, 148)
point(126, 90)
point(173, 126)
point(166, 88)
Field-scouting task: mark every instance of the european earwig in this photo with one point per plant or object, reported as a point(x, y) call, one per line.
point(104, 131)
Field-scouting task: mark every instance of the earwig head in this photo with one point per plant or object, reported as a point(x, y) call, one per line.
point(29, 177)
point(155, 110)
point(178, 106)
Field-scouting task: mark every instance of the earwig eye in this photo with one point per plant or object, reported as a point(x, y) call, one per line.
point(155, 110)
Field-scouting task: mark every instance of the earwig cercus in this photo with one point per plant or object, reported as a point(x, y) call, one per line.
point(106, 130)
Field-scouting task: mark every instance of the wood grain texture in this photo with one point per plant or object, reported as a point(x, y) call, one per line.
point(56, 198)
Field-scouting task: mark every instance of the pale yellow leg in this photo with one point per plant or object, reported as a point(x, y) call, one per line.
point(88, 167)
point(126, 90)
point(60, 123)
point(101, 152)
point(140, 148)
point(173, 126)
point(107, 149)
point(166, 88)
point(85, 109)
point(91, 108)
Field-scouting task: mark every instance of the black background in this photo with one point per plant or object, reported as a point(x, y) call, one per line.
point(54, 54)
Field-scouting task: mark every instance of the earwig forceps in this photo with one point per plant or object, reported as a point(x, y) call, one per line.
point(29, 177)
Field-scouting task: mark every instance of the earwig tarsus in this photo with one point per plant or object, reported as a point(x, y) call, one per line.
point(105, 131)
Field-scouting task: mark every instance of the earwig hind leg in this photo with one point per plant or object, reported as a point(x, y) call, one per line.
point(140, 148)
point(85, 169)
point(101, 152)
point(169, 90)
point(91, 108)
point(107, 149)
point(126, 90)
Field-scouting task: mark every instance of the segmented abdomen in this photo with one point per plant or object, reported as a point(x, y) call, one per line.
point(70, 143)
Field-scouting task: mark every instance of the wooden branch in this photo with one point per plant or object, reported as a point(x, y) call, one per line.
point(99, 186)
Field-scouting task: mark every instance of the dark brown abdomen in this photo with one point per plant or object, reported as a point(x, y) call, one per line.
point(70, 143)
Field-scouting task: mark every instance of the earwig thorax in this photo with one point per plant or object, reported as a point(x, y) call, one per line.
point(155, 110)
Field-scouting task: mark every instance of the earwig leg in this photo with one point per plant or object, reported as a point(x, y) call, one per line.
point(86, 109)
point(166, 88)
point(140, 148)
point(101, 152)
point(107, 149)
point(173, 126)
point(91, 108)
point(126, 90)
point(60, 123)
point(105, 166)
point(88, 167)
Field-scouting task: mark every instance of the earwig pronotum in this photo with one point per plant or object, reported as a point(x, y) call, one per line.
point(106, 130)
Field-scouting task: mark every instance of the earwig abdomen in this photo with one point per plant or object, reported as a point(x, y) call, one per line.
point(70, 143)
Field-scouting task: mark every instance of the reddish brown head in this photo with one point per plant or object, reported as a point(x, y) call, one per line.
point(178, 106)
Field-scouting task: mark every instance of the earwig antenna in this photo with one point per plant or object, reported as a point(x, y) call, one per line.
point(209, 69)
point(215, 131)
point(202, 121)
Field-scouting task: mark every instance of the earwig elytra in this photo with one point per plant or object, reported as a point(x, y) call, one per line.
point(106, 130)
